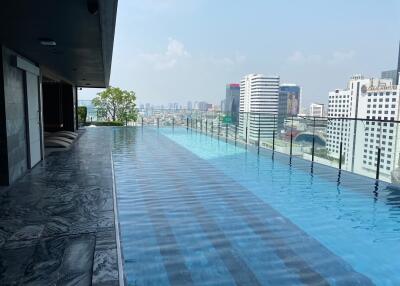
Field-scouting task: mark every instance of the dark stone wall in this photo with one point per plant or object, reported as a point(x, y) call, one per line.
point(15, 126)
point(3, 130)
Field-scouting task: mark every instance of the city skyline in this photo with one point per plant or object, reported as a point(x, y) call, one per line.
point(177, 64)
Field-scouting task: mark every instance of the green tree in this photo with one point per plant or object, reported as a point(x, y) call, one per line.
point(116, 104)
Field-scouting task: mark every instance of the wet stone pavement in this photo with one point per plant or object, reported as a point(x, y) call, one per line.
point(57, 222)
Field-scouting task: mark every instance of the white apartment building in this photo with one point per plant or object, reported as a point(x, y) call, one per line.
point(259, 99)
point(363, 98)
point(317, 109)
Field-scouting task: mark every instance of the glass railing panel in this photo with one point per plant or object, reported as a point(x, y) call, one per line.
point(303, 137)
point(326, 141)
point(374, 149)
point(285, 126)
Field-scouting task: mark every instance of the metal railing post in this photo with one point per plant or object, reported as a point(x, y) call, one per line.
point(340, 155)
point(212, 128)
point(235, 133)
point(226, 133)
point(142, 122)
point(187, 123)
point(291, 140)
point(173, 122)
point(313, 143)
point(219, 128)
point(206, 125)
point(378, 163)
point(340, 146)
point(158, 122)
point(259, 133)
point(246, 137)
point(273, 138)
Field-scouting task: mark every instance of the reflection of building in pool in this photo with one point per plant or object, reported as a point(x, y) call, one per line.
point(364, 98)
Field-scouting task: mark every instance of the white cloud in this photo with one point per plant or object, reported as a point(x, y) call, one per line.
point(168, 59)
point(296, 57)
point(299, 57)
point(236, 59)
point(341, 56)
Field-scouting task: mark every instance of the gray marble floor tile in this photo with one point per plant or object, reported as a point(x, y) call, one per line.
point(57, 222)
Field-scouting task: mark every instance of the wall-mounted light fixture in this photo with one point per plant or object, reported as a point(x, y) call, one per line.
point(47, 42)
point(93, 7)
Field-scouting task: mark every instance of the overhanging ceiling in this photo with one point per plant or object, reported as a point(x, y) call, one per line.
point(82, 29)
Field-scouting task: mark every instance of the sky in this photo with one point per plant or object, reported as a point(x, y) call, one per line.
point(188, 50)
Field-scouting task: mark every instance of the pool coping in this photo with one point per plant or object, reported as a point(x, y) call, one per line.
point(120, 261)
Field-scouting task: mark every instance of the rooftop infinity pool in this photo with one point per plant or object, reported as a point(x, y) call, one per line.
point(195, 210)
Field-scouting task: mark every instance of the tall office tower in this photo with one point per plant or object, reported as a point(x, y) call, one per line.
point(282, 109)
point(391, 74)
point(232, 100)
point(364, 98)
point(293, 93)
point(394, 75)
point(397, 82)
point(189, 105)
point(203, 106)
point(259, 95)
point(223, 105)
point(317, 109)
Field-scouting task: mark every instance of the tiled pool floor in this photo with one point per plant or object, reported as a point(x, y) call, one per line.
point(187, 220)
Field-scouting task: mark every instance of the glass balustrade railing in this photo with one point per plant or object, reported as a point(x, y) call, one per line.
point(363, 146)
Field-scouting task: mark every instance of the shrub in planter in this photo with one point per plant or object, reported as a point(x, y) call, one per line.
point(82, 114)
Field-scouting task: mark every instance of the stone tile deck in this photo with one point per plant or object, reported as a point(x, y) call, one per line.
point(57, 224)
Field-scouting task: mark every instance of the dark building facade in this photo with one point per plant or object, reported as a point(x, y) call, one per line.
point(292, 93)
point(47, 50)
point(390, 74)
point(232, 101)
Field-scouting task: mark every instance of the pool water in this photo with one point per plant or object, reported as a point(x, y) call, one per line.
point(195, 210)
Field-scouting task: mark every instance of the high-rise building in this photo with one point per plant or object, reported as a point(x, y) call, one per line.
point(397, 82)
point(203, 106)
point(391, 74)
point(317, 109)
point(364, 98)
point(394, 75)
point(232, 101)
point(223, 105)
point(259, 95)
point(292, 92)
point(282, 109)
